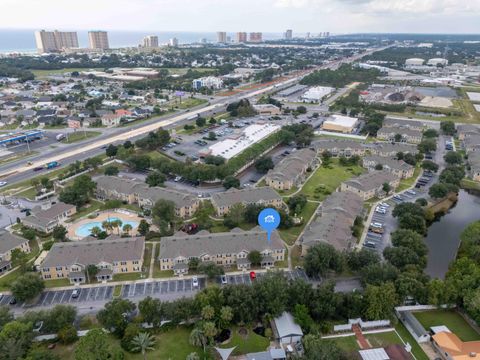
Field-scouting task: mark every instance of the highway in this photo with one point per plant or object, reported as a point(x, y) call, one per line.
point(19, 170)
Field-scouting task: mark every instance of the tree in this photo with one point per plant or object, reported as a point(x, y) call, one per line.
point(210, 269)
point(430, 133)
point(164, 210)
point(254, 257)
point(398, 137)
point(401, 257)
point(59, 317)
point(326, 158)
point(386, 187)
point(197, 338)
point(139, 162)
point(357, 260)
point(68, 335)
point(79, 192)
point(296, 203)
point(380, 301)
point(409, 239)
point(235, 216)
point(438, 191)
point(264, 164)
point(448, 127)
point(59, 233)
point(27, 286)
point(111, 170)
point(214, 160)
point(127, 228)
point(321, 258)
point(453, 158)
point(226, 316)
point(208, 312)
point(427, 146)
point(231, 181)
point(192, 356)
point(210, 330)
point(212, 136)
point(302, 317)
point(143, 227)
point(95, 345)
point(319, 349)
point(155, 178)
point(5, 316)
point(379, 167)
point(200, 121)
point(429, 165)
point(111, 150)
point(91, 271)
point(39, 353)
point(114, 316)
point(15, 340)
point(143, 342)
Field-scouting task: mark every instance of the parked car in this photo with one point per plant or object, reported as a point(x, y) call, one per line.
point(12, 301)
point(3, 183)
point(195, 282)
point(253, 276)
point(76, 293)
point(223, 279)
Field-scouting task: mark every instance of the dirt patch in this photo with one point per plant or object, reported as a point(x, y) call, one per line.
point(243, 332)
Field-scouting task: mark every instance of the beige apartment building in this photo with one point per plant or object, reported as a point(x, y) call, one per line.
point(8, 243)
point(241, 37)
point(338, 147)
point(69, 260)
point(370, 184)
point(98, 40)
point(229, 249)
point(53, 41)
point(398, 167)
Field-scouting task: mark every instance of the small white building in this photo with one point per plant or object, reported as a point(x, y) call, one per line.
point(316, 93)
point(286, 330)
point(210, 82)
point(414, 62)
point(340, 123)
point(437, 61)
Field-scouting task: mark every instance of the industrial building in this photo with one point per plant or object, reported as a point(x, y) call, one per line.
point(437, 62)
point(21, 136)
point(340, 123)
point(414, 62)
point(317, 93)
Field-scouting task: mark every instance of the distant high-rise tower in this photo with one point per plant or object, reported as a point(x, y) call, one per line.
point(288, 34)
point(173, 42)
point(221, 37)
point(150, 41)
point(241, 37)
point(255, 37)
point(48, 41)
point(98, 40)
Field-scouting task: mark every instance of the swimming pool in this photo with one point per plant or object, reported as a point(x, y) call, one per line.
point(86, 229)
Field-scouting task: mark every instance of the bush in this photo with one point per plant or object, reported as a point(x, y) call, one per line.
point(68, 335)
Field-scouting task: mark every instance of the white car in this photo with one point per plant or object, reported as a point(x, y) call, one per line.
point(380, 211)
point(223, 278)
point(3, 183)
point(375, 224)
point(411, 192)
point(195, 282)
point(177, 179)
point(384, 205)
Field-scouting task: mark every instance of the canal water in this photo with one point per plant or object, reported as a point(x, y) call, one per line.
point(443, 236)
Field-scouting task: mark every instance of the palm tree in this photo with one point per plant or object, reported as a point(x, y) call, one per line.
point(143, 342)
point(193, 356)
point(127, 228)
point(95, 231)
point(106, 225)
point(197, 338)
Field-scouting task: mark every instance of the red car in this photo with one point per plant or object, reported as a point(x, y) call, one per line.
point(253, 276)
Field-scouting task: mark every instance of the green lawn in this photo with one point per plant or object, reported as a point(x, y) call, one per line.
point(450, 319)
point(251, 343)
point(408, 338)
point(94, 206)
point(290, 235)
point(17, 156)
point(79, 136)
point(57, 283)
point(43, 74)
point(346, 343)
point(147, 256)
point(127, 276)
point(188, 103)
point(6, 280)
point(29, 193)
point(327, 179)
point(383, 339)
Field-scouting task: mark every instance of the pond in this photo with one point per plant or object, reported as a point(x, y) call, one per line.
point(443, 236)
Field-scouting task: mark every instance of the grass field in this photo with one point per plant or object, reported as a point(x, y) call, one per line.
point(188, 103)
point(248, 344)
point(43, 74)
point(407, 183)
point(290, 235)
point(79, 136)
point(57, 283)
point(17, 156)
point(450, 319)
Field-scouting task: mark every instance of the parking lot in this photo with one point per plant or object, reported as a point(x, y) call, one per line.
point(174, 288)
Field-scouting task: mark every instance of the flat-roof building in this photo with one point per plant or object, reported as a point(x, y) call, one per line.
point(340, 123)
point(48, 41)
point(98, 40)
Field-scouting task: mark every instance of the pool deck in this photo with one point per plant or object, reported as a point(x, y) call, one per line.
point(124, 215)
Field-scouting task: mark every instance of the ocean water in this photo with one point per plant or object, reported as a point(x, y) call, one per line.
point(13, 40)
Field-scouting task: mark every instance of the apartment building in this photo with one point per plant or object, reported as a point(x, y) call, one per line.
point(334, 222)
point(98, 40)
point(391, 150)
point(135, 192)
point(221, 37)
point(474, 165)
point(407, 135)
point(411, 124)
point(70, 260)
point(398, 167)
point(371, 184)
point(471, 143)
point(229, 249)
point(53, 41)
point(255, 37)
point(150, 41)
point(241, 37)
point(8, 243)
point(292, 170)
point(45, 218)
point(266, 196)
point(466, 130)
point(339, 147)
point(210, 82)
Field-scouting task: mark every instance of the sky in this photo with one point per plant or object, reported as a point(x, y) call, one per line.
point(335, 16)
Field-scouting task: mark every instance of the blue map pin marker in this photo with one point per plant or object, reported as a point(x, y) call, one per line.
point(269, 219)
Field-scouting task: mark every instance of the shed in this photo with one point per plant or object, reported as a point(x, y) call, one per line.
point(286, 330)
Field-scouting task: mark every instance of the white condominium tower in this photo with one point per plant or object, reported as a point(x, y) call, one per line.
point(150, 41)
point(98, 40)
point(48, 41)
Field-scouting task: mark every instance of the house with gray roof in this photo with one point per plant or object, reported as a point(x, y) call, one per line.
point(136, 192)
point(371, 184)
point(391, 150)
point(8, 243)
point(471, 143)
point(271, 354)
point(474, 165)
point(407, 135)
point(467, 130)
point(411, 124)
point(340, 147)
point(292, 170)
point(113, 255)
point(45, 218)
point(266, 196)
point(286, 330)
point(398, 167)
point(414, 327)
point(333, 223)
point(228, 249)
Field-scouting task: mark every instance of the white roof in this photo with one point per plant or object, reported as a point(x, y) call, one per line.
point(374, 354)
point(341, 120)
point(474, 96)
point(286, 326)
point(440, 328)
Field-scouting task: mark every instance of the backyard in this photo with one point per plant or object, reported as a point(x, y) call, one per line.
point(246, 343)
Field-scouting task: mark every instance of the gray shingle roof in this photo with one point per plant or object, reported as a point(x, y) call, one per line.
point(329, 144)
point(245, 196)
point(392, 130)
point(395, 148)
point(52, 212)
point(95, 251)
point(203, 242)
point(10, 241)
point(372, 180)
point(387, 162)
point(292, 166)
